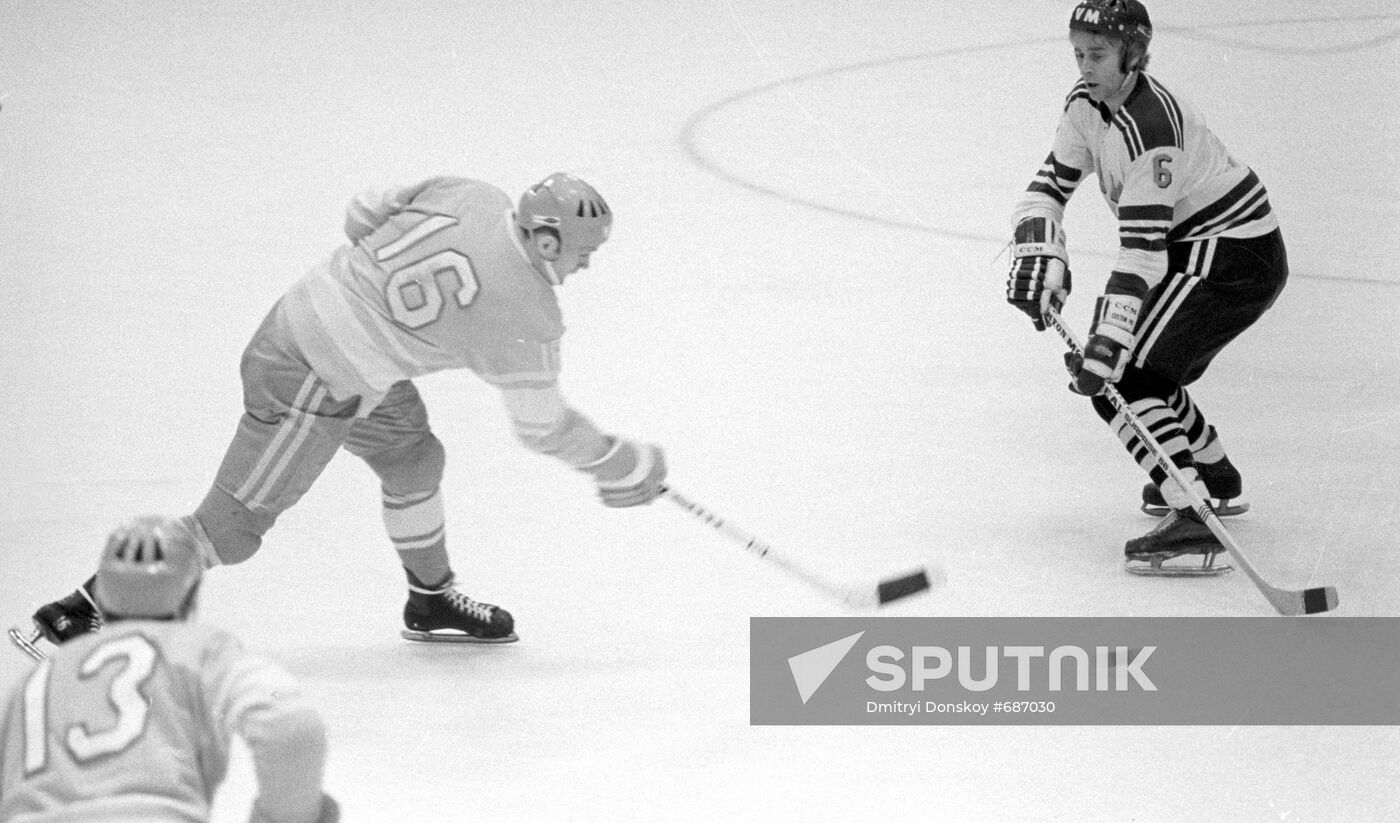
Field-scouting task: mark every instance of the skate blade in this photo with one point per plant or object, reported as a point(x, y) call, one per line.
point(444, 637)
point(1228, 507)
point(27, 643)
point(1157, 566)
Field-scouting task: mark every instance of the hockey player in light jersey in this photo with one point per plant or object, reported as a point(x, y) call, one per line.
point(135, 723)
point(1200, 259)
point(438, 275)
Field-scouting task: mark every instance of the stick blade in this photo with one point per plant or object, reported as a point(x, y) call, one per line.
point(898, 588)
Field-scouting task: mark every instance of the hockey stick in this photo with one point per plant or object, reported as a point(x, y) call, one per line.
point(1286, 601)
point(855, 597)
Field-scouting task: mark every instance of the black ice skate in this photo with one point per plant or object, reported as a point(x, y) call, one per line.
point(441, 614)
point(1180, 533)
point(61, 621)
point(1223, 484)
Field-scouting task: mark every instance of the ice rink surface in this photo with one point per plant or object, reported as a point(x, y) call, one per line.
point(799, 302)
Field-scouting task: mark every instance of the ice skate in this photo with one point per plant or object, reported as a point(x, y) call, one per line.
point(1181, 533)
point(441, 614)
point(60, 621)
point(1223, 482)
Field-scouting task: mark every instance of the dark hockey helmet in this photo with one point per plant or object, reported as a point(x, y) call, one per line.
point(1124, 20)
point(150, 568)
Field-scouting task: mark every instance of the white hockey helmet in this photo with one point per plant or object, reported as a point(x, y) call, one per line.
point(150, 567)
point(569, 206)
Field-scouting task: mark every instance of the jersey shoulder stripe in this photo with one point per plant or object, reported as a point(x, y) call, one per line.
point(1150, 119)
point(1079, 92)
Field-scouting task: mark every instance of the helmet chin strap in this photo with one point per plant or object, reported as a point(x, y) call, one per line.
point(550, 274)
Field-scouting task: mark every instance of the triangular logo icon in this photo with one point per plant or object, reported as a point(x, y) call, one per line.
point(811, 669)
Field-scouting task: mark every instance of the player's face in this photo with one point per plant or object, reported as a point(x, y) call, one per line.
point(570, 263)
point(1100, 63)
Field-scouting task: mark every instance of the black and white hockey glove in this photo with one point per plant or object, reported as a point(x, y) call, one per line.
point(1040, 276)
point(1106, 351)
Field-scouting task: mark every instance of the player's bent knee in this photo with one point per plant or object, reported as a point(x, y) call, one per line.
point(234, 531)
point(416, 467)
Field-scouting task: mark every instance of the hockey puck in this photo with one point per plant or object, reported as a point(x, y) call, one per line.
point(900, 587)
point(1318, 600)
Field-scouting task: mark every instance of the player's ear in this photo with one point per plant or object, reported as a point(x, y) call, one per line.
point(547, 244)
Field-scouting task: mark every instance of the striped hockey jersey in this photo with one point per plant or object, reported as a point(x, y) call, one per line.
point(1164, 174)
point(435, 278)
point(135, 722)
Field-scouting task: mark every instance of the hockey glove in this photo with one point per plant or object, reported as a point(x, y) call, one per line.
point(628, 474)
point(1106, 353)
point(1040, 276)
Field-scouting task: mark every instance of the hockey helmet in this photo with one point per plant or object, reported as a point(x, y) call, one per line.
point(1124, 20)
point(1112, 18)
point(150, 568)
point(569, 206)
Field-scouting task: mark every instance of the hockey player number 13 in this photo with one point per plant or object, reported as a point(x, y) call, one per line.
point(136, 659)
point(417, 291)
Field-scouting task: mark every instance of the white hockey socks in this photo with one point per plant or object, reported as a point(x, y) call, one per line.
point(416, 526)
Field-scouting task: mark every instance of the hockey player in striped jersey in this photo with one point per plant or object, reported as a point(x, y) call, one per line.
point(1200, 259)
point(441, 274)
point(135, 723)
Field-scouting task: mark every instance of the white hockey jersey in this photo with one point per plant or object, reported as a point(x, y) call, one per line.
point(1164, 174)
point(135, 723)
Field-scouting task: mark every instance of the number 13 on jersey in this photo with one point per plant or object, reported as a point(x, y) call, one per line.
point(135, 659)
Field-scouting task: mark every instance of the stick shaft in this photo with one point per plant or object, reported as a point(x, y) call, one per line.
point(762, 549)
